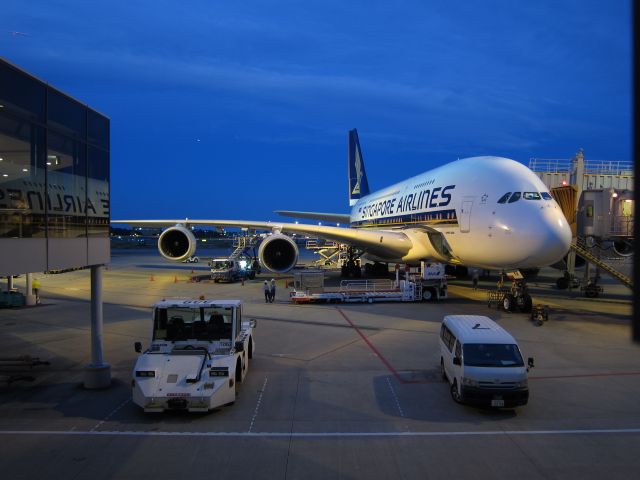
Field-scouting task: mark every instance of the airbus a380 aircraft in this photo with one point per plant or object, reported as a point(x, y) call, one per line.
point(487, 212)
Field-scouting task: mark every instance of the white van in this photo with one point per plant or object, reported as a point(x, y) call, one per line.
point(482, 362)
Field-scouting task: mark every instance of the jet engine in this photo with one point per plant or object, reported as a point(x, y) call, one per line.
point(177, 243)
point(278, 253)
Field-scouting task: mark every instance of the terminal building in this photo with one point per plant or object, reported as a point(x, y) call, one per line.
point(54, 184)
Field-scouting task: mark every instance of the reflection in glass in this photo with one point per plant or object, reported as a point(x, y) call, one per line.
point(98, 193)
point(22, 179)
point(66, 182)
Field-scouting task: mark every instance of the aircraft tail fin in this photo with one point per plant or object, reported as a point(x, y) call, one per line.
point(358, 185)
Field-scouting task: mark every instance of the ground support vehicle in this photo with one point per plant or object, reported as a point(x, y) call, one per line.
point(430, 285)
point(539, 314)
point(516, 298)
point(482, 362)
point(192, 259)
point(12, 298)
point(231, 269)
point(199, 353)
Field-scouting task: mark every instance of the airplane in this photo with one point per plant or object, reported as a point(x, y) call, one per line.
point(485, 212)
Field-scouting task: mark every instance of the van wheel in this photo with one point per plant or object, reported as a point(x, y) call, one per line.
point(442, 372)
point(455, 394)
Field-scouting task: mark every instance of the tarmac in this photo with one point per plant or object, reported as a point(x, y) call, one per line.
point(344, 391)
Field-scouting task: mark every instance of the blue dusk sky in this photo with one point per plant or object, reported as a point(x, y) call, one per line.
point(227, 109)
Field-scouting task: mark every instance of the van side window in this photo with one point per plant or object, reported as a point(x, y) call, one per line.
point(458, 350)
point(447, 337)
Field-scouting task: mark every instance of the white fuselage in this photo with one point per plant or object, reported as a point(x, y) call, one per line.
point(460, 201)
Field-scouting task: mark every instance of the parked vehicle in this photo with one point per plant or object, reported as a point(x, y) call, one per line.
point(199, 353)
point(231, 269)
point(482, 362)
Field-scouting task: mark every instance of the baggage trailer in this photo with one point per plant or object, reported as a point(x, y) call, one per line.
point(199, 353)
point(430, 284)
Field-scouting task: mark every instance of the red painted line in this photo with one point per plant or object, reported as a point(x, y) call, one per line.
point(375, 351)
point(587, 375)
point(402, 380)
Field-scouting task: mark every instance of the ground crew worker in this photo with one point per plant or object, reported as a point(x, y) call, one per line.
point(267, 291)
point(475, 276)
point(35, 286)
point(272, 291)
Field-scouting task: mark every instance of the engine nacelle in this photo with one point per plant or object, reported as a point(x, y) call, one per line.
point(278, 253)
point(177, 243)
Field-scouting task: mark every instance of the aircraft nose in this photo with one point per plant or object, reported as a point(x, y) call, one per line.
point(552, 238)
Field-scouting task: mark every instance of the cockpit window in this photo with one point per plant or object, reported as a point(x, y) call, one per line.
point(546, 195)
point(531, 196)
point(515, 197)
point(504, 198)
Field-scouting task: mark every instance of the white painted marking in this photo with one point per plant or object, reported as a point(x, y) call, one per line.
point(486, 433)
point(99, 424)
point(255, 412)
point(395, 397)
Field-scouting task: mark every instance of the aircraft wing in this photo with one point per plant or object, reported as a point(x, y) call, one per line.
point(384, 243)
point(323, 217)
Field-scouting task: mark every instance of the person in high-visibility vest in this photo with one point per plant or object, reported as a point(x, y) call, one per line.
point(35, 286)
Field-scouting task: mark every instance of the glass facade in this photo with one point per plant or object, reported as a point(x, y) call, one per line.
point(54, 162)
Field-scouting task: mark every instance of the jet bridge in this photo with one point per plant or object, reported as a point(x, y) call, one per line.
point(596, 197)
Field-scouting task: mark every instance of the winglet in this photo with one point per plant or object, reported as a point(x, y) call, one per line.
point(358, 185)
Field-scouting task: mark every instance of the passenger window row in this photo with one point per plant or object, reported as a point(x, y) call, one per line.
point(447, 337)
point(511, 197)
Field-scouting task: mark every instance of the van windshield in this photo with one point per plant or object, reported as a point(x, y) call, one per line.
point(492, 355)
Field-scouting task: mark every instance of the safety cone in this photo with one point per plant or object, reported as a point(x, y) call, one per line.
point(151, 279)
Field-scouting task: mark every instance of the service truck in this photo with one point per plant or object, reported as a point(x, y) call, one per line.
point(232, 269)
point(199, 353)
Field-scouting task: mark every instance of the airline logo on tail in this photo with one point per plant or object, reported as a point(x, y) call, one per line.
point(358, 185)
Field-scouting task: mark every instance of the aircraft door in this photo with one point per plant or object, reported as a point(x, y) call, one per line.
point(465, 215)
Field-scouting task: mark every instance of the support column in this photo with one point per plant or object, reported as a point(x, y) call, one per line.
point(30, 298)
point(9, 283)
point(98, 373)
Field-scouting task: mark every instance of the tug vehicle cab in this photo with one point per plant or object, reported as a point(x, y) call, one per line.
point(199, 352)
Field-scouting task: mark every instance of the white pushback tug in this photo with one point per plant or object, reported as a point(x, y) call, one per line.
point(200, 351)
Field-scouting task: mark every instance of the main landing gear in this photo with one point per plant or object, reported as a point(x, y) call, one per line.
point(351, 266)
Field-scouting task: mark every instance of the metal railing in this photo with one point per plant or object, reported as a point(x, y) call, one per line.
point(366, 285)
point(550, 165)
point(608, 167)
point(622, 226)
point(591, 167)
